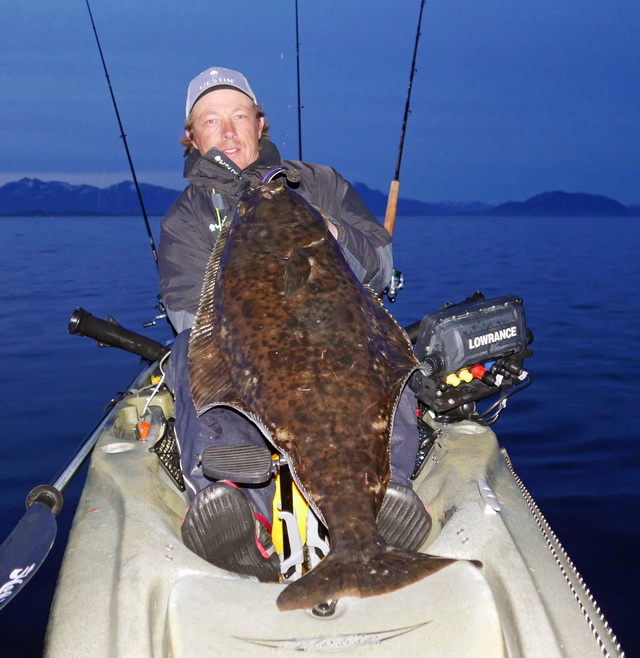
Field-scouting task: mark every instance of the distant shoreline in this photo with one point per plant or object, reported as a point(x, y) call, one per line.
point(31, 197)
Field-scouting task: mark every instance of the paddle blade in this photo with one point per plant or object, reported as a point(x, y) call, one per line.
point(25, 549)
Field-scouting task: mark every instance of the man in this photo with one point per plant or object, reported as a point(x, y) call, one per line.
point(228, 149)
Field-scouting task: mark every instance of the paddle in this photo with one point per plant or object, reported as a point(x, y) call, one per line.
point(26, 548)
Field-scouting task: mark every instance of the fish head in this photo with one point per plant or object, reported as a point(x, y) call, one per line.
point(273, 219)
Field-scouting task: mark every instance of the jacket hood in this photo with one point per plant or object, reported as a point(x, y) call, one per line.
point(214, 167)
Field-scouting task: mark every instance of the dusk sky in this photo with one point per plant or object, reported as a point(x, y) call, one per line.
point(511, 98)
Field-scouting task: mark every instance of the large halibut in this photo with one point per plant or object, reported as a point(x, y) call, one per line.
point(287, 334)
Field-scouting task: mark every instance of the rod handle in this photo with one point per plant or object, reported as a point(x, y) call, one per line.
point(82, 323)
point(392, 206)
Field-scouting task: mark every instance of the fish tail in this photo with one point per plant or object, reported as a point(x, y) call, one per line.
point(385, 571)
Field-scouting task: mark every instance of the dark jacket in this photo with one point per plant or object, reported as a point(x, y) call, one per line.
point(190, 228)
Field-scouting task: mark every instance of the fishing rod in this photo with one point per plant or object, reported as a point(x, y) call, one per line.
point(298, 80)
point(124, 141)
point(394, 190)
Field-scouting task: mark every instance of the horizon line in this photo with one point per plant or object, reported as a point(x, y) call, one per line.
point(125, 177)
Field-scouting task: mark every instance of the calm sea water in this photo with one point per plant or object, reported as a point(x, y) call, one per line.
point(573, 435)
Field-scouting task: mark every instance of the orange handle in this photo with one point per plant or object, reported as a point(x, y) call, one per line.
point(392, 206)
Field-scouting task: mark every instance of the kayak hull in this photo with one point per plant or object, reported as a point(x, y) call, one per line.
point(130, 587)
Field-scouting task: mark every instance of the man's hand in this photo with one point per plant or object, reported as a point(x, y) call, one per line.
point(333, 229)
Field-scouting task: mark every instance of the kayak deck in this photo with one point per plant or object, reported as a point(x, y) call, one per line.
point(129, 586)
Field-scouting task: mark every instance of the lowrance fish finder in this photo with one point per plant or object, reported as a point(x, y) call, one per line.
point(469, 351)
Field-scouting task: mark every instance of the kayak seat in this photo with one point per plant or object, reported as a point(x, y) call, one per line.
point(220, 527)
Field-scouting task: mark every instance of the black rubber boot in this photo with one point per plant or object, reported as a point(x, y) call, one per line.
point(403, 519)
point(220, 527)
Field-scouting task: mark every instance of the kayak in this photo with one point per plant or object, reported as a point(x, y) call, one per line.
point(128, 586)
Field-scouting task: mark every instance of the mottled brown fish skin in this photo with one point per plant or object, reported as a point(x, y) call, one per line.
point(286, 332)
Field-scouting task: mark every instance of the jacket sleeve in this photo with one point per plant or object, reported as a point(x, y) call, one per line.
point(186, 241)
point(366, 243)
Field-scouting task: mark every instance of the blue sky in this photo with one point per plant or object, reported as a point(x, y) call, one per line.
point(511, 98)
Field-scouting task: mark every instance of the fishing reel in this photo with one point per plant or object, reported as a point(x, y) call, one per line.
point(470, 351)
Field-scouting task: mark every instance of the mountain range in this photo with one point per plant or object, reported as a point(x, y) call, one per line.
point(30, 196)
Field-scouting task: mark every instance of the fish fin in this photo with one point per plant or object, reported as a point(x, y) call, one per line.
point(396, 347)
point(397, 343)
point(205, 309)
point(209, 376)
point(334, 578)
point(296, 273)
point(210, 379)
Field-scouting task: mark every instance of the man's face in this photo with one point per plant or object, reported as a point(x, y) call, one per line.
point(226, 119)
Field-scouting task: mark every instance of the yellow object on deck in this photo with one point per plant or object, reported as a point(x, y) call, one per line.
point(300, 511)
